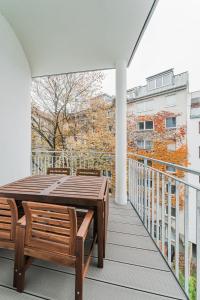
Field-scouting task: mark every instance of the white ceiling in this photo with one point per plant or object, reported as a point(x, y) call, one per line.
point(60, 36)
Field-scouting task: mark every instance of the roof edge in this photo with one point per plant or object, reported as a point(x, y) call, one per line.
point(143, 30)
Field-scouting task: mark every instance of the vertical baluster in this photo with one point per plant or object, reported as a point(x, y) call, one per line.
point(186, 230)
point(63, 159)
point(157, 206)
point(136, 186)
point(132, 183)
point(48, 163)
point(130, 161)
point(169, 221)
point(145, 196)
point(149, 199)
point(45, 164)
point(129, 178)
point(152, 206)
point(198, 242)
point(177, 231)
point(142, 200)
point(139, 188)
point(163, 214)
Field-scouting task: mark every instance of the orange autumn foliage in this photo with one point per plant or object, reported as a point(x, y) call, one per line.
point(161, 137)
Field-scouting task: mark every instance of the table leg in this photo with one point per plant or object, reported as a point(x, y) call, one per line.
point(100, 233)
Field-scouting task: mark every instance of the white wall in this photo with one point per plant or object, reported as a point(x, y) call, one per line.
point(15, 112)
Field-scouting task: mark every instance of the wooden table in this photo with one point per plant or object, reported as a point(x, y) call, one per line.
point(79, 191)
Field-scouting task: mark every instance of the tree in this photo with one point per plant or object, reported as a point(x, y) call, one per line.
point(58, 101)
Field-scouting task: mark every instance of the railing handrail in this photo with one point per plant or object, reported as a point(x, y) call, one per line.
point(169, 175)
point(37, 152)
point(179, 167)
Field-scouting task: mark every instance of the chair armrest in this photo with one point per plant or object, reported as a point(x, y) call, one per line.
point(22, 222)
point(83, 230)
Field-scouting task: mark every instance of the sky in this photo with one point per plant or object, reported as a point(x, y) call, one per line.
point(171, 40)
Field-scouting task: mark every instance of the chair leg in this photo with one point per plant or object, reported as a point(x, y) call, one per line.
point(79, 269)
point(19, 266)
point(95, 226)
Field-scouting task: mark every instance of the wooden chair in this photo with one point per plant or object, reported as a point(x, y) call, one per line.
point(54, 171)
point(8, 221)
point(50, 232)
point(88, 172)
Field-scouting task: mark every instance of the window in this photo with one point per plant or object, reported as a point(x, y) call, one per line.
point(145, 144)
point(173, 189)
point(171, 146)
point(148, 105)
point(148, 145)
point(140, 144)
point(173, 211)
point(167, 79)
point(141, 125)
point(170, 101)
point(152, 84)
point(144, 106)
point(149, 162)
point(147, 125)
point(160, 81)
point(171, 122)
point(109, 174)
point(171, 169)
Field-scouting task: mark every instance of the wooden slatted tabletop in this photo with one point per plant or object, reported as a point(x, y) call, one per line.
point(80, 191)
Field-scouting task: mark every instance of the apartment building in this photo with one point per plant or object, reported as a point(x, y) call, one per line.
point(157, 126)
point(157, 117)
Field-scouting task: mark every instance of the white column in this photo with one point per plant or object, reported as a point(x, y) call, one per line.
point(121, 135)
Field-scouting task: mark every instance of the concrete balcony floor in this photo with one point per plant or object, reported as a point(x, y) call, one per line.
point(133, 269)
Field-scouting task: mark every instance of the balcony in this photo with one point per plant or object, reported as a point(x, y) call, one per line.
point(45, 38)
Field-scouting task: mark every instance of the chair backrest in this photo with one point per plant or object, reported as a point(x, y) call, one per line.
point(8, 219)
point(88, 172)
point(54, 171)
point(51, 227)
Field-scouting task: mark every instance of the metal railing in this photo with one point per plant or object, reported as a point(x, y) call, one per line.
point(42, 160)
point(162, 200)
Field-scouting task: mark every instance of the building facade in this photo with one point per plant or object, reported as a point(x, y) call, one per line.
point(157, 128)
point(157, 117)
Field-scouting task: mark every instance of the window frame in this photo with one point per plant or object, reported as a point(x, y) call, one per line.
point(172, 172)
point(144, 122)
point(166, 123)
point(174, 186)
point(144, 143)
point(172, 208)
point(155, 79)
point(171, 105)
